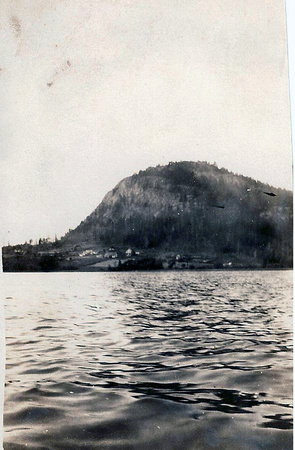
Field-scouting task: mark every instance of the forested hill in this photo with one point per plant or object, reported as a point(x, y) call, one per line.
point(193, 207)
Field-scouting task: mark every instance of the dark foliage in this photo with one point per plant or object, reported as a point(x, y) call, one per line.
point(141, 264)
point(48, 263)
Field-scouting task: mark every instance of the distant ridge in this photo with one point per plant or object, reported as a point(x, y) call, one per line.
point(193, 207)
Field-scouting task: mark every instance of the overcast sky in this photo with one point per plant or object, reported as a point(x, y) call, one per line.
point(93, 91)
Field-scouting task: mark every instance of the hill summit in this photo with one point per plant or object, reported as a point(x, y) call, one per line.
point(193, 207)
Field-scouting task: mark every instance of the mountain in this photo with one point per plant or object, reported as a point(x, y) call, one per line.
point(193, 207)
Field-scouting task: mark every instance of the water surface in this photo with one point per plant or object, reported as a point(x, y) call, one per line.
point(158, 360)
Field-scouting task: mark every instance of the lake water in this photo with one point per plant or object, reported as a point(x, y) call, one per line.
point(159, 360)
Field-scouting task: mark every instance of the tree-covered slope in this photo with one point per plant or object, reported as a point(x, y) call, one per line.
point(189, 206)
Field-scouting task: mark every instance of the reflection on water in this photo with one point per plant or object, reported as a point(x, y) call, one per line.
point(159, 360)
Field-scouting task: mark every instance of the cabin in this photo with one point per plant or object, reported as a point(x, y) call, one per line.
point(111, 254)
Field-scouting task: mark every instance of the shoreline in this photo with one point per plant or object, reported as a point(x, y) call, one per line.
point(224, 269)
point(90, 259)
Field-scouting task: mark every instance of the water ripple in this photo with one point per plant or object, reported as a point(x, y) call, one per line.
point(158, 360)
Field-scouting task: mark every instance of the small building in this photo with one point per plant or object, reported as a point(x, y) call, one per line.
point(129, 252)
point(228, 264)
point(111, 254)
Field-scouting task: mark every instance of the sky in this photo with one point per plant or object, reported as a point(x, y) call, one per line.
point(92, 92)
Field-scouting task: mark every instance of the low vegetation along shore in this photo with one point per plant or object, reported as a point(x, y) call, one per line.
point(53, 256)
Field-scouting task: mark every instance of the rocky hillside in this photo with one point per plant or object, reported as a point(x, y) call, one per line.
point(193, 207)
